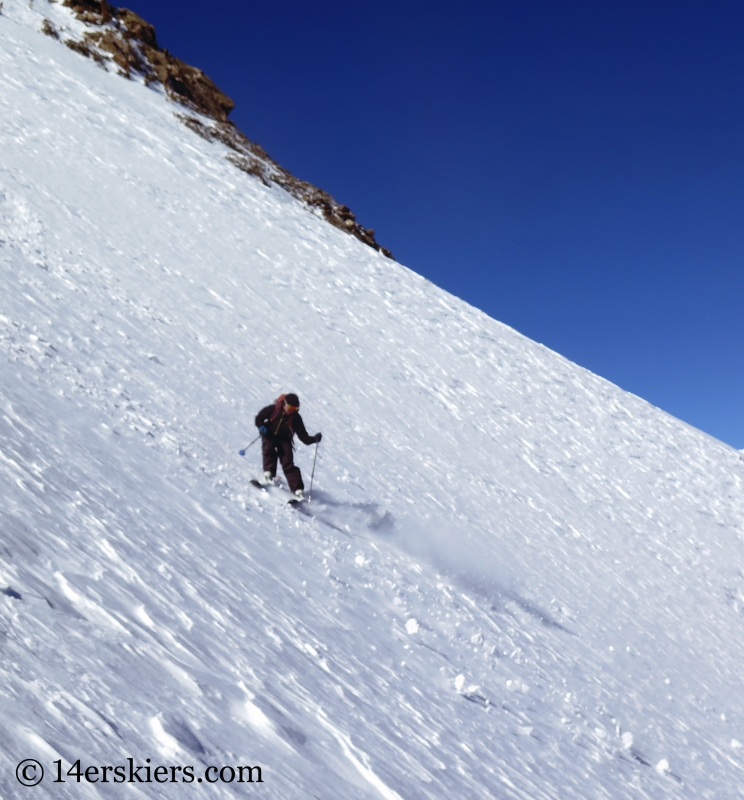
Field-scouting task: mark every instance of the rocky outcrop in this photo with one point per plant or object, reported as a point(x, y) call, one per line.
point(253, 159)
point(121, 36)
point(132, 45)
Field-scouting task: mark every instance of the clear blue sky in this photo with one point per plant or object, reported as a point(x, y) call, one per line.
point(574, 169)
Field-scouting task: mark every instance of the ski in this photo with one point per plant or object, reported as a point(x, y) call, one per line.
point(265, 487)
point(303, 507)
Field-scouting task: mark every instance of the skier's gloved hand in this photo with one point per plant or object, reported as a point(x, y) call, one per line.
point(318, 437)
point(241, 452)
point(262, 430)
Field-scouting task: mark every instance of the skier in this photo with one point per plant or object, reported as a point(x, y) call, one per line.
point(277, 424)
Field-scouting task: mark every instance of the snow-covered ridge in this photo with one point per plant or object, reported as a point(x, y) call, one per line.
point(518, 581)
point(120, 38)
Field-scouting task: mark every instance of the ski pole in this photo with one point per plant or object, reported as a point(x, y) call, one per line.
point(310, 493)
point(242, 452)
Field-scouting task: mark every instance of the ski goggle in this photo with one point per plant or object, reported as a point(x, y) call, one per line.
point(290, 409)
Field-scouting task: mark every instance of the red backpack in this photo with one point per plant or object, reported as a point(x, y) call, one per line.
point(278, 414)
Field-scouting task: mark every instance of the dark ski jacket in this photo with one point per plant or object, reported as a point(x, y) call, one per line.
point(282, 426)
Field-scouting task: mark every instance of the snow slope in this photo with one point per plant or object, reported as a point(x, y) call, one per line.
point(515, 580)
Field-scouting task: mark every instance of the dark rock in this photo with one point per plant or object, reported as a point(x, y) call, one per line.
point(48, 28)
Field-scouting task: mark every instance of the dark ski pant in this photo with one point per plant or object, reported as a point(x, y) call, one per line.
point(281, 450)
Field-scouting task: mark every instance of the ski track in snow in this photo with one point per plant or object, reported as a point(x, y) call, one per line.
point(515, 580)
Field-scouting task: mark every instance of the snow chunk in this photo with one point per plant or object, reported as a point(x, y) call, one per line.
point(662, 766)
point(412, 626)
point(167, 745)
point(144, 617)
point(257, 718)
point(460, 686)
